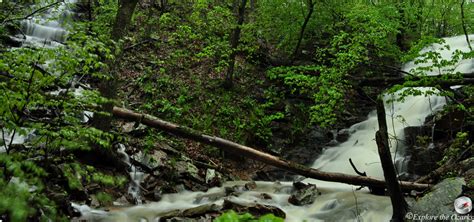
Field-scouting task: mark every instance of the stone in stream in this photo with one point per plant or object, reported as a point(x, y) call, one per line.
point(213, 178)
point(191, 214)
point(256, 210)
point(238, 189)
point(303, 194)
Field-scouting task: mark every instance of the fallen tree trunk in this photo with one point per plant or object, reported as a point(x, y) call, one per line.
point(426, 81)
point(246, 151)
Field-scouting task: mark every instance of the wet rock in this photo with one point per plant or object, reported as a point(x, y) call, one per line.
point(413, 132)
point(234, 190)
point(446, 126)
point(122, 201)
point(303, 194)
point(440, 200)
point(209, 197)
point(154, 194)
point(265, 196)
point(186, 215)
point(128, 127)
point(343, 135)
point(152, 160)
point(13, 42)
point(250, 185)
point(213, 178)
point(185, 167)
point(237, 189)
point(424, 159)
point(180, 188)
point(256, 210)
point(194, 186)
point(134, 129)
point(422, 153)
point(467, 164)
point(304, 150)
point(94, 202)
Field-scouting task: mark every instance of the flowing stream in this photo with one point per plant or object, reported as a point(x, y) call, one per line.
point(337, 202)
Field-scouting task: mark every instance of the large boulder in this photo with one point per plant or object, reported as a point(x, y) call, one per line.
point(440, 201)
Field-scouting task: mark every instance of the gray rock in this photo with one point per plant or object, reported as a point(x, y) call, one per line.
point(250, 185)
point(440, 200)
point(122, 201)
point(343, 135)
point(185, 167)
point(256, 210)
point(210, 175)
point(303, 194)
point(189, 214)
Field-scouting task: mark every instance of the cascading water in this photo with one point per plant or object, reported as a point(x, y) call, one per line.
point(136, 177)
point(42, 30)
point(337, 202)
point(47, 29)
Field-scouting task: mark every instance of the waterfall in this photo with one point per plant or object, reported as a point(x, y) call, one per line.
point(44, 30)
point(47, 29)
point(337, 202)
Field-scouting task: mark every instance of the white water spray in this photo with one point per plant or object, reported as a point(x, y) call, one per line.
point(136, 176)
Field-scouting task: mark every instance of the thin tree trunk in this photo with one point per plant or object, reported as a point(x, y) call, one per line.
point(249, 152)
point(464, 28)
point(234, 43)
point(399, 205)
point(108, 88)
point(303, 29)
point(401, 35)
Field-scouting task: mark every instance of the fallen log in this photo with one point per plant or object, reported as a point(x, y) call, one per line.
point(416, 81)
point(249, 152)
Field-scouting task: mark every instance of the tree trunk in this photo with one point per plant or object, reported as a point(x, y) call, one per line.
point(123, 18)
point(399, 204)
point(303, 29)
point(234, 43)
point(108, 88)
point(463, 22)
point(249, 152)
point(401, 35)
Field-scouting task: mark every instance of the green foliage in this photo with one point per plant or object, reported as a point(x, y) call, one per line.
point(22, 187)
point(39, 98)
point(456, 148)
point(430, 63)
point(78, 175)
point(104, 198)
point(232, 216)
